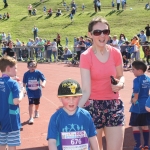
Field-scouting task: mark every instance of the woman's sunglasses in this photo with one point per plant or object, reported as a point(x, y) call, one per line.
point(99, 32)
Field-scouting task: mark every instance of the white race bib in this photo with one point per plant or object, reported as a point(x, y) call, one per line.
point(33, 84)
point(74, 140)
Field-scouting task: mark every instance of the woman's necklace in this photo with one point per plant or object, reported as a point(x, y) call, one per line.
point(101, 52)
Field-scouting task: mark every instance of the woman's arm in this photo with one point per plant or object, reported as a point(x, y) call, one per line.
point(86, 86)
point(94, 143)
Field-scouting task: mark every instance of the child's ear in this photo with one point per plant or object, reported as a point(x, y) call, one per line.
point(90, 35)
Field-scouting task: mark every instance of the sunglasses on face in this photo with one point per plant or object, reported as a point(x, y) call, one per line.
point(99, 32)
point(32, 65)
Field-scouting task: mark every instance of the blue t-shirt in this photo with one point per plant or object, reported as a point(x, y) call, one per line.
point(9, 113)
point(141, 85)
point(32, 81)
point(61, 122)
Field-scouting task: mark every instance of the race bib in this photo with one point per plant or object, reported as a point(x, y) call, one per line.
point(74, 140)
point(33, 84)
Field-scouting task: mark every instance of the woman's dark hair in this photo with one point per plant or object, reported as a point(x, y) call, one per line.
point(139, 65)
point(95, 21)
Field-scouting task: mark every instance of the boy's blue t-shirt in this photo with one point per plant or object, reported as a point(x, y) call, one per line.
point(141, 85)
point(61, 122)
point(32, 81)
point(9, 113)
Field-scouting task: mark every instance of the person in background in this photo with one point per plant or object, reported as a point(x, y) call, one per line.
point(140, 118)
point(11, 95)
point(35, 32)
point(29, 9)
point(31, 81)
point(100, 96)
point(71, 127)
point(147, 28)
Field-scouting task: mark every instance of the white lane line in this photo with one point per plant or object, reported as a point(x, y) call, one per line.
point(50, 101)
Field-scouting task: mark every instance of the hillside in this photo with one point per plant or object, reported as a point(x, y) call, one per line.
point(129, 21)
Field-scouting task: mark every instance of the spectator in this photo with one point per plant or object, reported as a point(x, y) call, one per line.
point(3, 37)
point(44, 10)
point(49, 51)
point(147, 6)
point(5, 3)
point(115, 42)
point(4, 16)
point(35, 32)
point(98, 3)
point(118, 4)
point(34, 12)
point(50, 12)
point(8, 38)
point(73, 11)
point(147, 28)
point(83, 7)
point(54, 49)
point(112, 4)
point(95, 5)
point(142, 37)
point(1, 17)
point(82, 45)
point(58, 40)
point(7, 15)
point(122, 4)
point(73, 5)
point(67, 54)
point(29, 9)
point(76, 48)
point(67, 41)
point(58, 13)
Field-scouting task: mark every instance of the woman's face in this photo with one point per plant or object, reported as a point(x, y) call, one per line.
point(100, 40)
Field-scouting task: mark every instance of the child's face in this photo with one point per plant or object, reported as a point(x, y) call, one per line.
point(12, 71)
point(70, 103)
point(32, 66)
point(137, 72)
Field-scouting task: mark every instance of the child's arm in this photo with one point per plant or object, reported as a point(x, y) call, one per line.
point(94, 143)
point(135, 98)
point(18, 100)
point(52, 144)
point(43, 83)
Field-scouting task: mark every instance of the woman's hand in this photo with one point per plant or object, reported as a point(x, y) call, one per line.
point(118, 86)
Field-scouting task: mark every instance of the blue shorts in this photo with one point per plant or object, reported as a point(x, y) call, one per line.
point(10, 138)
point(107, 113)
point(139, 119)
point(35, 101)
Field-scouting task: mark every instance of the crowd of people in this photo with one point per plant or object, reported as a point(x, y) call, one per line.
point(45, 48)
point(4, 16)
point(86, 113)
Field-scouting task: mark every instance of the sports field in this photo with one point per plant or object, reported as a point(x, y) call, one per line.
point(34, 136)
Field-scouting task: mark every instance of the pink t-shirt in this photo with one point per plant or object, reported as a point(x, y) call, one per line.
point(101, 72)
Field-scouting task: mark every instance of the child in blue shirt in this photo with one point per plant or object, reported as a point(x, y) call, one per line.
point(139, 116)
point(31, 81)
point(10, 97)
point(71, 127)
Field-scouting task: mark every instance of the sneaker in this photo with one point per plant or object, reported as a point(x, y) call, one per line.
point(146, 148)
point(129, 67)
point(138, 148)
point(31, 120)
point(37, 114)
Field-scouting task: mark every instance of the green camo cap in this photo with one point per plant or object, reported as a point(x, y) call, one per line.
point(69, 87)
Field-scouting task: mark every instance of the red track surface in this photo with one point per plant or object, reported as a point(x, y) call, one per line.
point(33, 137)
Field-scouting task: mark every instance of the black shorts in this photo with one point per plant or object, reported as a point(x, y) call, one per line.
point(139, 119)
point(35, 101)
point(106, 113)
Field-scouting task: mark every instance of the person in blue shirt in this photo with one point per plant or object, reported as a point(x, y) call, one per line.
point(31, 80)
point(139, 116)
point(10, 97)
point(71, 127)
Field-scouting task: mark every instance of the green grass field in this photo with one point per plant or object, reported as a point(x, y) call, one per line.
point(20, 25)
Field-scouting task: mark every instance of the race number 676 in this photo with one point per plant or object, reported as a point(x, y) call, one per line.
point(75, 141)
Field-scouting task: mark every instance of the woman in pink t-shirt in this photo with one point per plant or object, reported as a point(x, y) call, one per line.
point(100, 97)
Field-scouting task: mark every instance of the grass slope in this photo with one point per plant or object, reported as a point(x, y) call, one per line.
point(20, 25)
